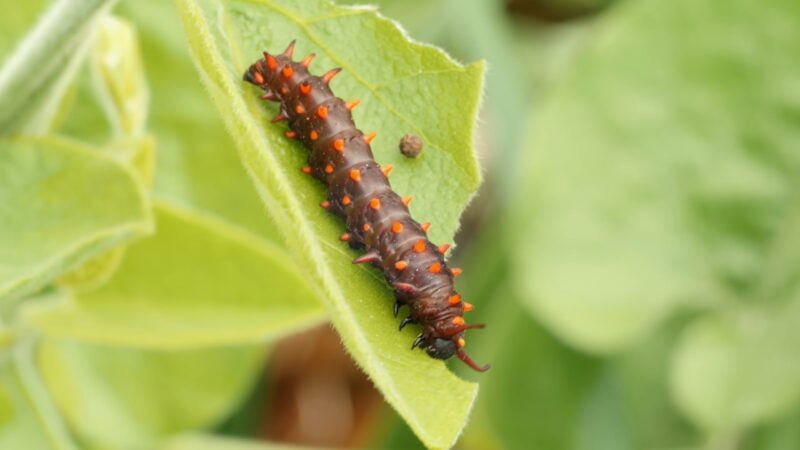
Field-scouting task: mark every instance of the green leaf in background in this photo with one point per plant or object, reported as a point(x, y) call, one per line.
point(224, 38)
point(197, 161)
point(121, 399)
point(19, 425)
point(34, 77)
point(660, 167)
point(43, 231)
point(196, 282)
point(735, 370)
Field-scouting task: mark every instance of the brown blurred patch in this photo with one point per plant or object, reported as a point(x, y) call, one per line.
point(316, 394)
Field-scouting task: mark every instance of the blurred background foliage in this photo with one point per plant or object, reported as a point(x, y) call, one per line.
point(634, 245)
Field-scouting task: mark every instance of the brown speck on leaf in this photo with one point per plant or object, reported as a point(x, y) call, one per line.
point(411, 145)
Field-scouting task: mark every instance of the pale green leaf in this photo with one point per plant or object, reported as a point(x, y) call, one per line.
point(660, 166)
point(61, 203)
point(196, 282)
point(738, 369)
point(116, 398)
point(34, 77)
point(396, 80)
point(19, 424)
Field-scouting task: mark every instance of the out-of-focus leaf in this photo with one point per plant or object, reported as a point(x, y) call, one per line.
point(734, 370)
point(61, 203)
point(34, 77)
point(783, 434)
point(15, 22)
point(196, 282)
point(19, 425)
point(117, 398)
point(660, 167)
point(533, 396)
point(225, 38)
point(197, 161)
point(211, 442)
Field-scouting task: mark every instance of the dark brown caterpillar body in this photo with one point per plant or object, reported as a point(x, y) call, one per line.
point(377, 219)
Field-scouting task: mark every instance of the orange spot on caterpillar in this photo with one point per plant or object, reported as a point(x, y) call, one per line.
point(425, 226)
point(289, 49)
point(366, 227)
point(443, 248)
point(287, 71)
point(456, 271)
point(272, 63)
point(328, 168)
point(407, 200)
point(397, 227)
point(400, 265)
point(322, 112)
point(325, 204)
point(387, 169)
point(435, 267)
point(306, 169)
point(461, 342)
point(454, 299)
point(352, 104)
point(370, 136)
point(338, 145)
point(284, 90)
point(307, 60)
point(346, 200)
point(345, 237)
point(291, 134)
point(458, 320)
point(355, 175)
point(330, 74)
point(299, 109)
point(419, 247)
point(375, 203)
point(305, 88)
point(313, 135)
point(258, 77)
point(468, 307)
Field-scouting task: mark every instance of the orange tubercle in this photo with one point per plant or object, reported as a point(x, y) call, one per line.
point(355, 175)
point(313, 135)
point(375, 203)
point(387, 169)
point(425, 226)
point(407, 200)
point(287, 71)
point(352, 104)
point(307, 60)
point(325, 204)
point(456, 271)
point(468, 307)
point(461, 342)
point(458, 320)
point(338, 145)
point(291, 134)
point(397, 227)
point(299, 109)
point(400, 265)
point(346, 200)
point(258, 77)
point(454, 299)
point(272, 63)
point(435, 267)
point(369, 137)
point(329, 169)
point(305, 88)
point(306, 169)
point(366, 227)
point(345, 237)
point(419, 246)
point(443, 248)
point(322, 112)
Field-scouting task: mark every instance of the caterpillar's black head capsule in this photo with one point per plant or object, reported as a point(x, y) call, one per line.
point(441, 348)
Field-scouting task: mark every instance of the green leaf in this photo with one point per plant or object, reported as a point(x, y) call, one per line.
point(196, 282)
point(61, 203)
point(395, 99)
point(660, 167)
point(34, 77)
point(117, 398)
point(19, 424)
point(738, 369)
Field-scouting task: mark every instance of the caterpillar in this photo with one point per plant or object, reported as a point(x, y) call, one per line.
point(377, 219)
